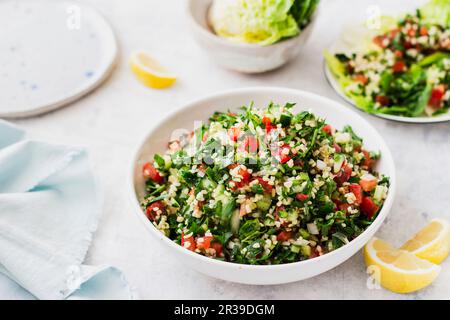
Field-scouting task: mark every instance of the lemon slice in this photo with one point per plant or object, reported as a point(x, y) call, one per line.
point(398, 270)
point(150, 72)
point(432, 243)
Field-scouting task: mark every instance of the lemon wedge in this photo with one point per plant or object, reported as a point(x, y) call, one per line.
point(150, 72)
point(432, 243)
point(398, 270)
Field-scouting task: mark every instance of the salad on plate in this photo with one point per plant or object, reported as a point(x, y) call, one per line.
point(403, 68)
point(264, 186)
point(262, 22)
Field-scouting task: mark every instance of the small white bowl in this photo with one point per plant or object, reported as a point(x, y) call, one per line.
point(200, 110)
point(242, 57)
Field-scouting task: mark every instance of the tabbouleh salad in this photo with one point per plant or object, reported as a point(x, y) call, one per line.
point(264, 186)
point(405, 69)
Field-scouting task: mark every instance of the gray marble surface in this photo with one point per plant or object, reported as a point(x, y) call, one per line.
point(111, 120)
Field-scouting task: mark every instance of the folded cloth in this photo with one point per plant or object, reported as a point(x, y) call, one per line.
point(49, 209)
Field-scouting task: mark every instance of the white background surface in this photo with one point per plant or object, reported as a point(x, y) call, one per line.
point(111, 120)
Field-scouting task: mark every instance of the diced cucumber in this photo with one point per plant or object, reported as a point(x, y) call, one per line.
point(235, 221)
point(293, 216)
point(338, 161)
point(264, 203)
point(306, 250)
point(304, 234)
point(208, 184)
point(380, 193)
point(295, 249)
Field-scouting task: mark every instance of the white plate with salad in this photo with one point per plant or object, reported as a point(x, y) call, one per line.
point(396, 68)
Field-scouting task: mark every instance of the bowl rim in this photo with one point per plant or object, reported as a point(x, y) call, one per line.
point(376, 224)
point(220, 40)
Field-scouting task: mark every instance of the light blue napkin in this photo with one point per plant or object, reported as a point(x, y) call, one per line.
point(49, 209)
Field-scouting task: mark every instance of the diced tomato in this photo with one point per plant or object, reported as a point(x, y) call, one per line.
point(337, 148)
point(393, 33)
point(151, 173)
point(243, 173)
point(343, 175)
point(399, 66)
point(268, 124)
point(360, 78)
point(301, 197)
point(382, 100)
point(341, 206)
point(232, 114)
point(265, 184)
point(218, 247)
point(314, 253)
point(368, 207)
point(204, 242)
point(368, 162)
point(368, 185)
point(411, 32)
point(436, 96)
point(380, 41)
point(284, 236)
point(423, 31)
point(408, 45)
point(398, 53)
point(249, 144)
point(328, 129)
point(357, 191)
point(150, 211)
point(282, 153)
point(191, 246)
point(234, 133)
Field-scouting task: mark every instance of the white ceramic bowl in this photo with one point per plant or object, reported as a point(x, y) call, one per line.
point(335, 113)
point(242, 57)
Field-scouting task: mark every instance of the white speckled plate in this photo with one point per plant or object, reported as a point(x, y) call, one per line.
point(51, 53)
point(351, 39)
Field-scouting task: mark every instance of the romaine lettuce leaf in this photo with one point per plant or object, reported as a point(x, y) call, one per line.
point(436, 12)
point(261, 22)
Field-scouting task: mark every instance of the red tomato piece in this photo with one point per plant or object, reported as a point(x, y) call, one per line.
point(399, 66)
point(282, 153)
point(423, 31)
point(234, 133)
point(151, 173)
point(284, 236)
point(204, 242)
point(190, 240)
point(436, 96)
point(411, 32)
point(357, 191)
point(382, 100)
point(380, 41)
point(337, 148)
point(343, 175)
point(265, 184)
point(249, 144)
point(398, 53)
point(218, 247)
point(301, 197)
point(328, 129)
point(368, 207)
point(243, 173)
point(150, 211)
point(361, 78)
point(368, 162)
